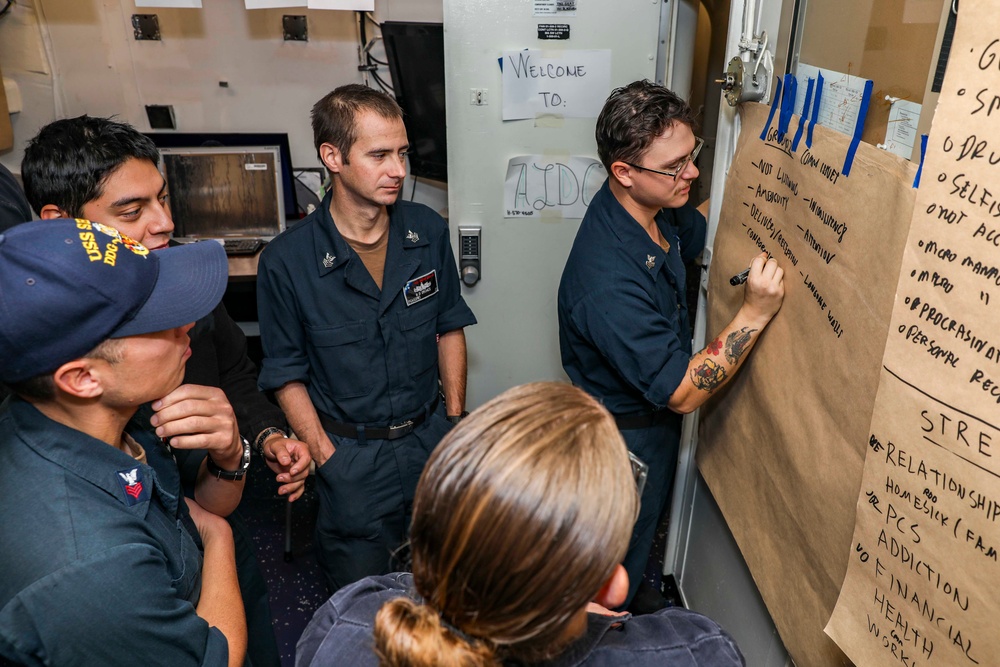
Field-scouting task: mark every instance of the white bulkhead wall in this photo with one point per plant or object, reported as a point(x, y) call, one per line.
point(516, 340)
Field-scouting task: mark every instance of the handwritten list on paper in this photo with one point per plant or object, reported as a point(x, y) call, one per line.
point(840, 101)
point(901, 132)
point(923, 573)
point(781, 449)
point(795, 218)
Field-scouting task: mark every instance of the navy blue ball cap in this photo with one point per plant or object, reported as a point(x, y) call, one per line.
point(66, 286)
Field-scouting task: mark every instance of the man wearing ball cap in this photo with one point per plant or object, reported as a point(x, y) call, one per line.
point(103, 559)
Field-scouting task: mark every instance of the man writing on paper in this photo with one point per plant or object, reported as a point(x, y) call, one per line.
point(624, 328)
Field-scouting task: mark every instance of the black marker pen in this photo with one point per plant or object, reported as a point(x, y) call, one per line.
point(740, 277)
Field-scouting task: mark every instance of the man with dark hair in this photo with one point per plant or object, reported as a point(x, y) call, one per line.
point(14, 208)
point(104, 170)
point(100, 557)
point(361, 313)
point(624, 328)
point(68, 162)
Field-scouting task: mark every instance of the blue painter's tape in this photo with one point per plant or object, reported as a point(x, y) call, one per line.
point(774, 106)
point(787, 107)
point(803, 115)
point(859, 128)
point(815, 110)
point(923, 151)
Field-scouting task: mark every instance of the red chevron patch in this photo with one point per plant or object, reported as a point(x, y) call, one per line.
point(134, 489)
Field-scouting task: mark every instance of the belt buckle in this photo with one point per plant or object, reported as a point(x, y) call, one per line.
point(401, 425)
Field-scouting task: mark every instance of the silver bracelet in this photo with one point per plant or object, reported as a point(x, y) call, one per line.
point(258, 444)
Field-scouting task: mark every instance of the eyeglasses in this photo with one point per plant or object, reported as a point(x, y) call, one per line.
point(640, 471)
point(683, 165)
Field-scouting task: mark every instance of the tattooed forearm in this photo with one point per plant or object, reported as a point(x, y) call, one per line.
point(714, 347)
point(708, 375)
point(736, 344)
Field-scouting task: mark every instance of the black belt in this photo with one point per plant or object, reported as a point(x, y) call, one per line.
point(393, 432)
point(645, 420)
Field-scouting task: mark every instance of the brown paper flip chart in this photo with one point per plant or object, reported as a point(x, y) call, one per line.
point(923, 578)
point(782, 446)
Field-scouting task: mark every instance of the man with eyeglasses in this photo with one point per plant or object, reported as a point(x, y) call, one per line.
point(624, 326)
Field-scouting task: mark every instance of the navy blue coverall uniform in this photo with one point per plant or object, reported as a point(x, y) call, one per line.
point(219, 359)
point(14, 207)
point(100, 558)
point(340, 633)
point(369, 359)
point(625, 337)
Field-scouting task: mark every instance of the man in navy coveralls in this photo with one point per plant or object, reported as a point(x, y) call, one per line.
point(14, 208)
point(624, 328)
point(107, 171)
point(101, 561)
point(361, 314)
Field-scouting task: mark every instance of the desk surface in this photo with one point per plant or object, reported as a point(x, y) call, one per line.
point(243, 267)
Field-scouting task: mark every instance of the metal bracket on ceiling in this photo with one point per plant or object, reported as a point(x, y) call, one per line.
point(748, 73)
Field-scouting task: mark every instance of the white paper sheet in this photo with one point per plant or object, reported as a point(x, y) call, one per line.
point(840, 101)
point(274, 4)
point(901, 133)
point(539, 185)
point(357, 5)
point(181, 4)
point(572, 84)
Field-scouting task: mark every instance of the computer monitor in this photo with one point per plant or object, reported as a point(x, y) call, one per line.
point(415, 52)
point(225, 191)
point(240, 139)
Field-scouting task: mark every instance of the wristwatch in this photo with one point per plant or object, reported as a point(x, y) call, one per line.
point(232, 475)
point(454, 419)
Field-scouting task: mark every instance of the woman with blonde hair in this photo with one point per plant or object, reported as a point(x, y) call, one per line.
point(520, 522)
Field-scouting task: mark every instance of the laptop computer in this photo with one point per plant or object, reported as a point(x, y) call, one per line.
point(232, 194)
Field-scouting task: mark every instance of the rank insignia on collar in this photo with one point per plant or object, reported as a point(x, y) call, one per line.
point(132, 484)
point(329, 260)
point(412, 236)
point(650, 261)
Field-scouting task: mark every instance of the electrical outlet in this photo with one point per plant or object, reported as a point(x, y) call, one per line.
point(146, 26)
point(478, 97)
